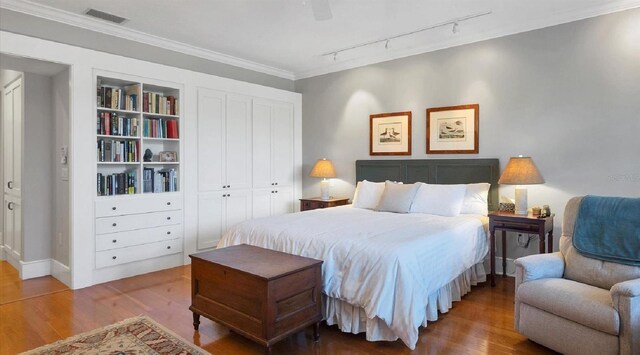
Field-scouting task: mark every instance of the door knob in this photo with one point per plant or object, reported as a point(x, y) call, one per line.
point(10, 206)
point(10, 184)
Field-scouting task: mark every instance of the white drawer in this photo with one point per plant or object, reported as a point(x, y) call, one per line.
point(139, 252)
point(137, 221)
point(136, 237)
point(118, 206)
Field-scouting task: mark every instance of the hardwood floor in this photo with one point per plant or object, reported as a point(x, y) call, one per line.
point(43, 312)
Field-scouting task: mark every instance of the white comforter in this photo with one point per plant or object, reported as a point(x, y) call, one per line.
point(386, 263)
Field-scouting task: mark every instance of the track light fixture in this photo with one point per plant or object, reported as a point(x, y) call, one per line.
point(455, 22)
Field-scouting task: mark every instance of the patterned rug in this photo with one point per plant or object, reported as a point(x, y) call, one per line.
point(139, 335)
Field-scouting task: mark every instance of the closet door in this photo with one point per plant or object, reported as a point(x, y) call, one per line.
point(238, 142)
point(12, 137)
point(238, 208)
point(13, 226)
point(282, 145)
point(282, 201)
point(261, 204)
point(211, 138)
point(210, 219)
point(262, 140)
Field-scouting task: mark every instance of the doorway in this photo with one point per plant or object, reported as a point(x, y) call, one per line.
point(34, 224)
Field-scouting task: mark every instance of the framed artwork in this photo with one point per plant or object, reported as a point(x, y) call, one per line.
point(390, 133)
point(168, 157)
point(453, 129)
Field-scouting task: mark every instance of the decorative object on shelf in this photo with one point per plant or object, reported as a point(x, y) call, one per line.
point(535, 211)
point(520, 171)
point(506, 207)
point(169, 157)
point(390, 133)
point(147, 156)
point(323, 169)
point(453, 129)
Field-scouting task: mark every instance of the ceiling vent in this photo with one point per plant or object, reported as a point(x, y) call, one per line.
point(105, 16)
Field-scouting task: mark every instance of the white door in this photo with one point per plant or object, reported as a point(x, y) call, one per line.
point(238, 208)
point(210, 219)
point(238, 142)
point(13, 226)
point(261, 144)
point(282, 145)
point(282, 201)
point(12, 137)
point(262, 203)
point(211, 135)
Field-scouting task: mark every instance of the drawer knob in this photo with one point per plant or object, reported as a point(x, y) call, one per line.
point(113, 208)
point(114, 257)
point(169, 247)
point(168, 203)
point(228, 186)
point(114, 241)
point(168, 232)
point(114, 224)
point(276, 184)
point(168, 218)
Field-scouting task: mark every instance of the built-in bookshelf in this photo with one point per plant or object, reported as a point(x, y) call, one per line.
point(137, 137)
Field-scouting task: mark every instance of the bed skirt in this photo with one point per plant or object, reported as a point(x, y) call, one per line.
point(353, 319)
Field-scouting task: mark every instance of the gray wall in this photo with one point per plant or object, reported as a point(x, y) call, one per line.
point(568, 96)
point(37, 195)
point(60, 100)
point(33, 26)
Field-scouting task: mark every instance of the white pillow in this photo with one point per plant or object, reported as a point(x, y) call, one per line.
point(476, 199)
point(367, 194)
point(397, 197)
point(442, 200)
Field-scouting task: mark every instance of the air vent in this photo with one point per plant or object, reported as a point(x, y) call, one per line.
point(105, 16)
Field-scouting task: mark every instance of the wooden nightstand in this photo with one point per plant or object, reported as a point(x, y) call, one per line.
point(526, 224)
point(307, 204)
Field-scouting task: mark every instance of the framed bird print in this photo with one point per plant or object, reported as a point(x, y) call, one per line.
point(390, 133)
point(453, 129)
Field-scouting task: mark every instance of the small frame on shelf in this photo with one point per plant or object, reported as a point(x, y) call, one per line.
point(390, 133)
point(453, 129)
point(168, 157)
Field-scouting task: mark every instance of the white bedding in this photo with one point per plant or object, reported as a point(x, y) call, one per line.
point(386, 263)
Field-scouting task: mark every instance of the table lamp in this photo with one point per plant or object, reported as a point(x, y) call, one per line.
point(520, 171)
point(323, 169)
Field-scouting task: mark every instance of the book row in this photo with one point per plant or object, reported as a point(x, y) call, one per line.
point(119, 98)
point(159, 128)
point(109, 150)
point(112, 124)
point(157, 103)
point(165, 180)
point(125, 183)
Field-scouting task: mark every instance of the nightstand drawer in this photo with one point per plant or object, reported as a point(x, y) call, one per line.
point(307, 204)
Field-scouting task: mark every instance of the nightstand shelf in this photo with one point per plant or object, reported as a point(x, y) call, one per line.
point(307, 204)
point(525, 224)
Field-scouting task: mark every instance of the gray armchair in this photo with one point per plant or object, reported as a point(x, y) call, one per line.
point(575, 304)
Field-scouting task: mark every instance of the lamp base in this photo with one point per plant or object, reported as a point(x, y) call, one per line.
point(324, 190)
point(521, 201)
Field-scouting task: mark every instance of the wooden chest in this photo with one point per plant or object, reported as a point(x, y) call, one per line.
point(262, 294)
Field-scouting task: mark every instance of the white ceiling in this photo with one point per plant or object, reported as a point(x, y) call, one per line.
point(281, 37)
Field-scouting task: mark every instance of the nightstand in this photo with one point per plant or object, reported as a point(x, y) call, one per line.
point(307, 204)
point(525, 224)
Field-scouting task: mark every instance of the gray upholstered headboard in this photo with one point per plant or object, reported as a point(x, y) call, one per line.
point(434, 171)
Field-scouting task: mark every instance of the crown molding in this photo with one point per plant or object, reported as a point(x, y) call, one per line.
point(468, 38)
point(77, 20)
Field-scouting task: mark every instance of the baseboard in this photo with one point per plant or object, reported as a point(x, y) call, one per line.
point(2, 257)
point(33, 269)
point(61, 272)
point(12, 258)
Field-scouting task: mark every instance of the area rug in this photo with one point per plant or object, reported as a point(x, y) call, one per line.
point(139, 335)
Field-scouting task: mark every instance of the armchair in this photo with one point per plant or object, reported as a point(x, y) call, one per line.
point(576, 304)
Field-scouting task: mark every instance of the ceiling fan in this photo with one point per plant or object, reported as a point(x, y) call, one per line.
point(321, 10)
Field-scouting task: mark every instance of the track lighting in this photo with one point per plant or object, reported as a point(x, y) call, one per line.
point(455, 29)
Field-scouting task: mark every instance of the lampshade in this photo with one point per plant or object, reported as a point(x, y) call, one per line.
point(520, 171)
point(323, 169)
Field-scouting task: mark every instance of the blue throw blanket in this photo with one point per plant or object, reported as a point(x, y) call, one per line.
point(608, 228)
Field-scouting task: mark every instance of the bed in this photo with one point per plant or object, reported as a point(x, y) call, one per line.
point(386, 273)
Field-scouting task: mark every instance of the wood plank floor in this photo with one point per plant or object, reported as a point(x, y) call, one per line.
point(32, 316)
